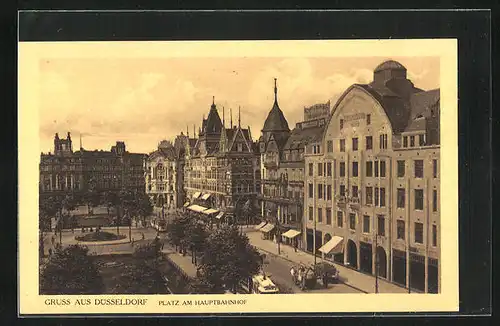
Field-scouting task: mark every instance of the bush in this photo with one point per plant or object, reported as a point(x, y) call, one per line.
point(71, 271)
point(100, 236)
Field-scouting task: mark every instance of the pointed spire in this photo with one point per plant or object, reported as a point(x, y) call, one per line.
point(187, 131)
point(213, 100)
point(223, 118)
point(231, 113)
point(275, 91)
point(81, 147)
point(239, 116)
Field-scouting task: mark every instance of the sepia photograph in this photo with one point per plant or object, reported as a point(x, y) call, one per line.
point(214, 171)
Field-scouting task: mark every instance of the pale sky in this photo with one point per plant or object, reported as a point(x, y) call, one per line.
point(144, 100)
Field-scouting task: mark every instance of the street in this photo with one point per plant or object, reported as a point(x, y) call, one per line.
point(279, 271)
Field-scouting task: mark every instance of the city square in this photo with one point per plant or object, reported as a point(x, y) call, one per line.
point(353, 185)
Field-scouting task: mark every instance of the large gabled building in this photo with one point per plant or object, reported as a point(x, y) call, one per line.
point(372, 181)
point(220, 170)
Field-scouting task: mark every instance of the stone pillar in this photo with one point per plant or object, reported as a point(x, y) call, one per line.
point(358, 254)
point(51, 183)
point(345, 251)
point(374, 258)
point(426, 271)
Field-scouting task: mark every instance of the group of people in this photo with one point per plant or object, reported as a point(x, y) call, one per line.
point(299, 276)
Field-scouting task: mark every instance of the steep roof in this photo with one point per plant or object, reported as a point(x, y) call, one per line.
point(213, 123)
point(275, 120)
point(299, 137)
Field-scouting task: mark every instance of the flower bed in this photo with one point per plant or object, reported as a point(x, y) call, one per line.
point(100, 236)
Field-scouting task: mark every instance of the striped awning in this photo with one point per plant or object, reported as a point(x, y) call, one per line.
point(219, 216)
point(290, 234)
point(210, 211)
point(267, 228)
point(196, 195)
point(258, 227)
point(197, 208)
point(205, 196)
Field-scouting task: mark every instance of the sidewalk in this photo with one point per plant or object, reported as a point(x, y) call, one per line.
point(355, 279)
point(183, 262)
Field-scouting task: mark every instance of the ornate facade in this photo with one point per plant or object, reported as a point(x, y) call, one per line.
point(282, 163)
point(372, 181)
point(220, 170)
point(66, 171)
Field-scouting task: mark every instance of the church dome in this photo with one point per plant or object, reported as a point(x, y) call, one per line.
point(390, 65)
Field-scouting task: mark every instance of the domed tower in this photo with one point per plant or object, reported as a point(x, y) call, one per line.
point(393, 75)
point(275, 123)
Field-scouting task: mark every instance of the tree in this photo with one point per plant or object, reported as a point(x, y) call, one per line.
point(195, 238)
point(139, 278)
point(177, 231)
point(111, 200)
point(69, 203)
point(48, 207)
point(91, 197)
point(228, 259)
point(71, 271)
point(143, 206)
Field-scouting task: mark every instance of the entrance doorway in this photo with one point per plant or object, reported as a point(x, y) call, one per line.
point(432, 282)
point(399, 267)
point(352, 254)
point(309, 240)
point(365, 257)
point(382, 262)
point(417, 272)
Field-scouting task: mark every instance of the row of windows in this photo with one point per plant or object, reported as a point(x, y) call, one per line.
point(418, 227)
point(355, 143)
point(421, 140)
point(374, 168)
point(379, 200)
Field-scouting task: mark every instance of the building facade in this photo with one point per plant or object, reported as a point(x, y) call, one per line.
point(220, 169)
point(65, 170)
point(282, 164)
point(372, 182)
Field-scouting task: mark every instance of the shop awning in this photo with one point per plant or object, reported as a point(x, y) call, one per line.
point(210, 211)
point(333, 246)
point(290, 234)
point(186, 204)
point(219, 216)
point(205, 196)
point(260, 225)
point(197, 208)
point(267, 228)
point(196, 195)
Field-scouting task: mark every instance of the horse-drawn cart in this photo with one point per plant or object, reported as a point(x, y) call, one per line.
point(306, 277)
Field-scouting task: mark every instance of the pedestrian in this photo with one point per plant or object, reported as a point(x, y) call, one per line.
point(162, 245)
point(325, 280)
point(295, 245)
point(53, 239)
point(50, 252)
point(142, 235)
point(292, 272)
